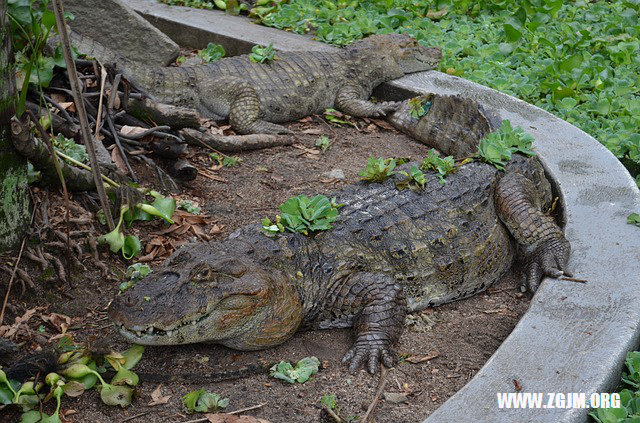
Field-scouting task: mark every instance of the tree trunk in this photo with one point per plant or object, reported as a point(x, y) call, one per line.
point(14, 194)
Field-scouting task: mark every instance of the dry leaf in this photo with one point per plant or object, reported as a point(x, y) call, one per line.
point(59, 322)
point(20, 322)
point(383, 124)
point(396, 397)
point(68, 106)
point(117, 159)
point(157, 398)
point(131, 130)
point(415, 359)
point(58, 98)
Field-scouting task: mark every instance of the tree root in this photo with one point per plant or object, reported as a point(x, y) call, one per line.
point(234, 143)
point(174, 116)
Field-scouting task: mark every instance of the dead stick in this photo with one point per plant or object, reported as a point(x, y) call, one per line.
point(135, 416)
point(567, 278)
point(332, 413)
point(253, 407)
point(368, 416)
point(112, 96)
point(103, 79)
point(13, 275)
point(82, 113)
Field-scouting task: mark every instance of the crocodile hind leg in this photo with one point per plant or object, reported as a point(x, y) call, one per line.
point(376, 305)
point(244, 112)
point(351, 100)
point(542, 247)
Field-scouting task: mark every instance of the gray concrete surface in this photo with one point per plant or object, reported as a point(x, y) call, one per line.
point(575, 336)
point(196, 28)
point(115, 25)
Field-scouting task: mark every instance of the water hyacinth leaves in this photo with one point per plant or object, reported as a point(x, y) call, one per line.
point(202, 401)
point(497, 147)
point(302, 372)
point(303, 214)
point(211, 53)
point(378, 170)
point(443, 166)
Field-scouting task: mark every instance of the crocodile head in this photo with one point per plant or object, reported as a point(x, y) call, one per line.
point(401, 52)
point(203, 294)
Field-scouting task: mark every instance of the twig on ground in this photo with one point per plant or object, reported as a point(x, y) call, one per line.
point(567, 278)
point(13, 275)
point(332, 413)
point(147, 132)
point(253, 407)
point(135, 416)
point(368, 416)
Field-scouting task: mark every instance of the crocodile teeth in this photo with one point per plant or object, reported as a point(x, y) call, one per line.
point(169, 332)
point(194, 322)
point(150, 330)
point(138, 333)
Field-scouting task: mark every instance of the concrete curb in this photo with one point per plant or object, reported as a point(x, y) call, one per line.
point(575, 336)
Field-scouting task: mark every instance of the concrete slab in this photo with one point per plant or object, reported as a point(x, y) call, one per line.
point(115, 25)
point(575, 336)
point(196, 28)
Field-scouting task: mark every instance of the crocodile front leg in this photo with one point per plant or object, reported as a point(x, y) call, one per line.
point(352, 100)
point(245, 111)
point(541, 244)
point(376, 305)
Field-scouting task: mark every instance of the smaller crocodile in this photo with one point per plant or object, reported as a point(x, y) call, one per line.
point(391, 251)
point(255, 97)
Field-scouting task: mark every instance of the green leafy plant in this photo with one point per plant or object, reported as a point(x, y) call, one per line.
point(303, 214)
point(134, 274)
point(77, 372)
point(189, 206)
point(415, 177)
point(261, 54)
point(226, 161)
point(211, 53)
point(329, 400)
point(633, 219)
point(338, 118)
point(31, 25)
point(378, 170)
point(497, 147)
point(323, 143)
point(443, 166)
point(629, 410)
point(69, 147)
point(418, 107)
point(302, 372)
point(130, 245)
point(202, 401)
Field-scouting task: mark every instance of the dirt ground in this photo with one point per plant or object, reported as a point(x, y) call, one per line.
point(460, 336)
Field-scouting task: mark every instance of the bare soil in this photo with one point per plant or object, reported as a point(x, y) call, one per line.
point(460, 336)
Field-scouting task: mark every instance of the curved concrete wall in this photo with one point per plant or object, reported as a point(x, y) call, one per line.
point(575, 336)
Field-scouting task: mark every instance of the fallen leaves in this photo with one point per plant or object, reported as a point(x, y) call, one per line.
point(20, 326)
point(157, 398)
point(59, 322)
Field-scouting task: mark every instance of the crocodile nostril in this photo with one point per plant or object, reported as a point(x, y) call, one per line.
point(130, 300)
point(169, 277)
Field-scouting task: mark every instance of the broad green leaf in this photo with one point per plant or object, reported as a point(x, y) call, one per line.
point(513, 34)
point(115, 240)
point(125, 377)
point(131, 247)
point(132, 356)
point(116, 395)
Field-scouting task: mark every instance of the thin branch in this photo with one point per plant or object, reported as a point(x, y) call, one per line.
point(368, 416)
point(82, 113)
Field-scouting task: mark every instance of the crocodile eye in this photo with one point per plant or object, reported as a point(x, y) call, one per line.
point(202, 274)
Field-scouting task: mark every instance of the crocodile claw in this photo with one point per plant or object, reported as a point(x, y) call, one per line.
point(549, 259)
point(381, 109)
point(368, 350)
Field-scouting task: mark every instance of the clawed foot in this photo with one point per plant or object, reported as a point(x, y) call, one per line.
point(368, 350)
point(549, 259)
point(381, 109)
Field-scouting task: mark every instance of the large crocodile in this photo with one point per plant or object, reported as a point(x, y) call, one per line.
point(389, 252)
point(256, 96)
